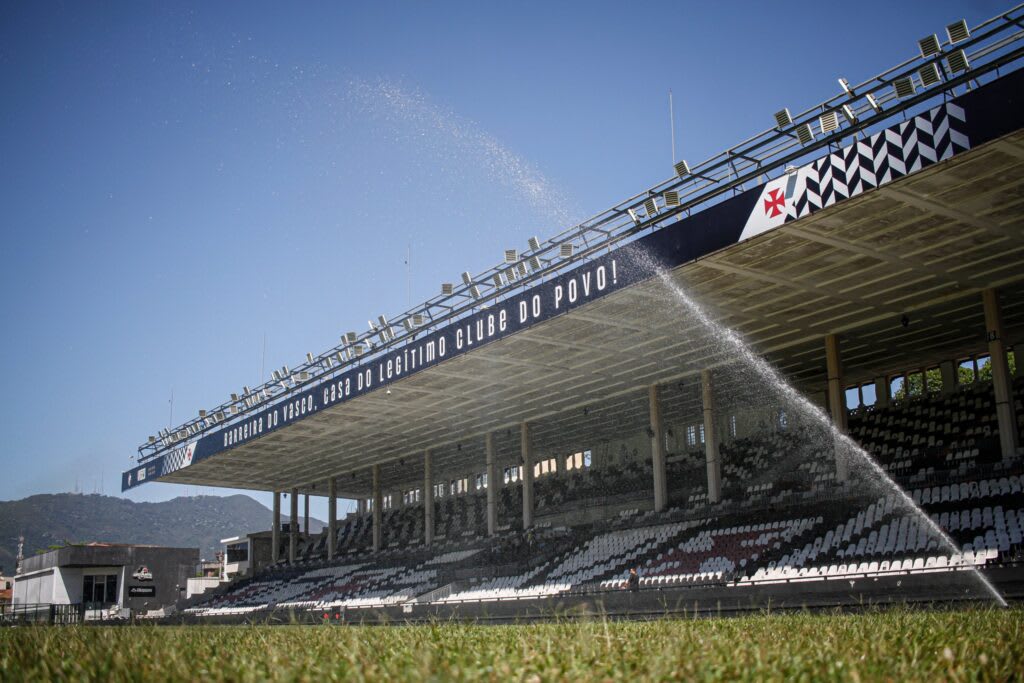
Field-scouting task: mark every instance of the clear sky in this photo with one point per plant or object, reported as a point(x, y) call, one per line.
point(179, 182)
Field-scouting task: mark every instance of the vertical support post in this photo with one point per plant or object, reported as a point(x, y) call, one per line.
point(658, 450)
point(1008, 437)
point(293, 527)
point(332, 516)
point(948, 371)
point(882, 392)
point(428, 499)
point(275, 530)
point(361, 506)
point(836, 400)
point(305, 518)
point(526, 449)
point(711, 455)
point(492, 486)
point(378, 513)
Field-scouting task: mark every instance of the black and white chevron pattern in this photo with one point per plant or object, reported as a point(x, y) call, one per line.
point(890, 154)
point(177, 459)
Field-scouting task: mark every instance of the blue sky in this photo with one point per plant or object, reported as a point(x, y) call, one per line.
point(179, 181)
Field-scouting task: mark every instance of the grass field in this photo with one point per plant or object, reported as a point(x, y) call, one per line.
point(977, 644)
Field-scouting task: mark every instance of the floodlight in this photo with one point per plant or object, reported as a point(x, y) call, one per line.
point(828, 121)
point(682, 168)
point(466, 278)
point(671, 198)
point(220, 416)
point(510, 274)
point(845, 85)
point(634, 216)
point(873, 103)
point(245, 390)
point(535, 263)
point(234, 410)
point(957, 61)
point(929, 74)
point(234, 397)
point(417, 319)
point(359, 350)
point(565, 251)
point(511, 256)
point(340, 357)
point(407, 324)
point(383, 321)
point(534, 244)
point(303, 376)
point(447, 288)
point(651, 207)
point(929, 45)
point(309, 357)
point(848, 113)
point(373, 325)
point(904, 86)
point(202, 413)
point(152, 439)
point(498, 282)
point(782, 118)
point(277, 378)
point(351, 337)
point(958, 31)
point(805, 134)
point(523, 272)
point(284, 370)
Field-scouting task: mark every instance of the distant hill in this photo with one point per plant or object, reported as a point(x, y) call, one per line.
point(198, 521)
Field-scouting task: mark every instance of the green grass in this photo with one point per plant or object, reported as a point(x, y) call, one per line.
point(898, 645)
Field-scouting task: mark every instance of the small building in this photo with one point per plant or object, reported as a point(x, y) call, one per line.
point(6, 589)
point(106, 576)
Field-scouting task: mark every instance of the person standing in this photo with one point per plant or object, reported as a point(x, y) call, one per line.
point(633, 582)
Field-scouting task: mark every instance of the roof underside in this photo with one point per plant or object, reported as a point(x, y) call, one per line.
point(923, 246)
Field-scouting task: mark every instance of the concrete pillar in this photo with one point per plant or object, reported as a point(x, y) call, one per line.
point(658, 450)
point(711, 454)
point(428, 499)
point(948, 371)
point(293, 527)
point(836, 399)
point(527, 453)
point(881, 392)
point(361, 506)
point(378, 512)
point(492, 486)
point(305, 518)
point(332, 516)
point(1001, 385)
point(275, 529)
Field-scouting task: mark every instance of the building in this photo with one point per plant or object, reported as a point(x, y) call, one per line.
point(6, 589)
point(106, 576)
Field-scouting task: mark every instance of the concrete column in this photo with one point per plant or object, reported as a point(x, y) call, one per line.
point(293, 527)
point(428, 499)
point(527, 453)
point(836, 399)
point(881, 392)
point(711, 455)
point(378, 504)
point(275, 529)
point(492, 486)
point(305, 518)
point(361, 506)
point(658, 450)
point(1001, 385)
point(948, 371)
point(332, 516)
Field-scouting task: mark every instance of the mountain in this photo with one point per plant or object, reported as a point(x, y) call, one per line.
point(197, 521)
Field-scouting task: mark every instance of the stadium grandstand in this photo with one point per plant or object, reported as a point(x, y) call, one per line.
point(786, 374)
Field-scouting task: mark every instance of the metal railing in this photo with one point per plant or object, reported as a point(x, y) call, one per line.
point(990, 47)
point(41, 613)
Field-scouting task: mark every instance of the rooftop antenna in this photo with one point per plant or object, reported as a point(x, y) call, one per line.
point(408, 275)
point(21, 555)
point(170, 417)
point(263, 359)
point(672, 125)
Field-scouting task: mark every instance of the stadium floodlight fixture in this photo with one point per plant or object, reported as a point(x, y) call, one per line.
point(234, 396)
point(359, 350)
point(511, 256)
point(284, 371)
point(498, 281)
point(383, 322)
point(957, 61)
point(682, 169)
point(220, 416)
point(671, 198)
point(565, 250)
point(829, 121)
point(651, 207)
point(523, 272)
point(447, 288)
point(848, 113)
point(407, 324)
point(958, 31)
point(351, 337)
point(275, 374)
point(534, 243)
point(535, 263)
point(633, 214)
point(340, 357)
point(510, 274)
point(417, 319)
point(929, 74)
point(202, 413)
point(805, 134)
point(234, 410)
point(152, 439)
point(303, 376)
point(845, 85)
point(783, 118)
point(245, 391)
point(873, 103)
point(929, 45)
point(309, 357)
point(904, 86)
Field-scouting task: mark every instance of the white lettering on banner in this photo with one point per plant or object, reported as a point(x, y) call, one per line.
point(575, 290)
